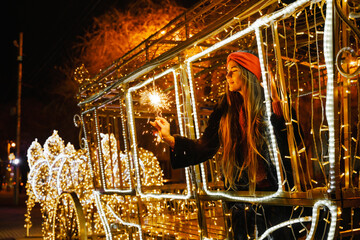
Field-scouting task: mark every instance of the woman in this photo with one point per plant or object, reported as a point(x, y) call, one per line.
point(238, 125)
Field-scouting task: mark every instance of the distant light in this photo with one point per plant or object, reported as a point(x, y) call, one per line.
point(11, 156)
point(16, 161)
point(13, 144)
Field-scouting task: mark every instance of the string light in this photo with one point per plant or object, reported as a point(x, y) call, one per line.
point(125, 223)
point(47, 181)
point(177, 99)
point(329, 61)
point(254, 27)
point(102, 216)
point(69, 171)
point(333, 211)
point(34, 153)
point(54, 169)
point(131, 121)
point(284, 224)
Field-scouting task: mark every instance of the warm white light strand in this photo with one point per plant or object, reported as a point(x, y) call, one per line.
point(52, 167)
point(101, 163)
point(225, 195)
point(58, 177)
point(150, 80)
point(284, 224)
point(125, 223)
point(254, 27)
point(193, 101)
point(102, 215)
point(127, 152)
point(273, 148)
point(87, 145)
point(258, 23)
point(181, 127)
point(120, 191)
point(34, 173)
point(101, 159)
point(123, 128)
point(330, 114)
point(333, 212)
point(178, 104)
point(131, 122)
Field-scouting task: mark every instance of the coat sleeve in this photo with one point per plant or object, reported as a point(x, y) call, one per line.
point(188, 152)
point(278, 122)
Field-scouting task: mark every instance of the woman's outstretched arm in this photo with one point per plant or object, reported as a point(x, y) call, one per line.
point(163, 127)
point(184, 151)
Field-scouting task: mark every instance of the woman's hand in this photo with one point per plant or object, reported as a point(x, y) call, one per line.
point(163, 128)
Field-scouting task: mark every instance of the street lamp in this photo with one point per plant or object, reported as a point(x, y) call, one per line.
point(15, 162)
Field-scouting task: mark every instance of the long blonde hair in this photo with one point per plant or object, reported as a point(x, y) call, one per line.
point(248, 138)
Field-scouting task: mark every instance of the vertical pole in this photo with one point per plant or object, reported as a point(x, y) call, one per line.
point(16, 189)
point(294, 157)
point(346, 105)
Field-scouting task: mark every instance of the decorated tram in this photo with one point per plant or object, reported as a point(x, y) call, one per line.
point(120, 184)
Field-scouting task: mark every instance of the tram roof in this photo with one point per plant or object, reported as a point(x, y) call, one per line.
point(231, 13)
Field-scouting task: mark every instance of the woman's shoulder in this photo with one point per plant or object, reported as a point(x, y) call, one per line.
point(222, 103)
point(220, 107)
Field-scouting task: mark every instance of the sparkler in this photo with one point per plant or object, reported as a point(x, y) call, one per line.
point(155, 99)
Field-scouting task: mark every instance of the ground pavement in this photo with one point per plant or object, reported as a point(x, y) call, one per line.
point(12, 219)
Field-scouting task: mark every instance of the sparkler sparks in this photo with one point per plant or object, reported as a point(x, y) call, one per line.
point(155, 99)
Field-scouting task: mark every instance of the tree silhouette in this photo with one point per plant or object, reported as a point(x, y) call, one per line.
point(117, 31)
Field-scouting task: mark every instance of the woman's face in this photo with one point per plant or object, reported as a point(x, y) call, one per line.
point(233, 77)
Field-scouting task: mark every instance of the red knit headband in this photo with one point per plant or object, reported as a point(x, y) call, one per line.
point(248, 61)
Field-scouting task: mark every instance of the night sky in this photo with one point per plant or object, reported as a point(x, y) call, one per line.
point(50, 29)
